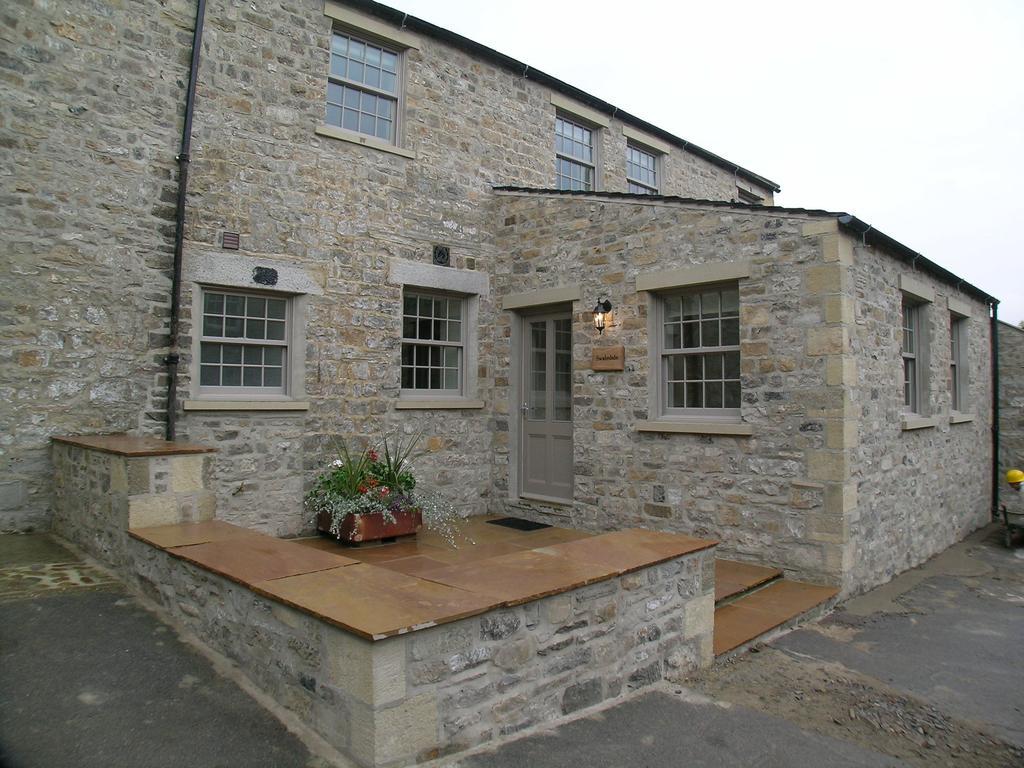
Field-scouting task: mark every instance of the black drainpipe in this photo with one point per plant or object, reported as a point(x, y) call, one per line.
point(179, 229)
point(995, 409)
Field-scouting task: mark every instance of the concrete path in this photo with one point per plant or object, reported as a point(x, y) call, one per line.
point(924, 671)
point(88, 678)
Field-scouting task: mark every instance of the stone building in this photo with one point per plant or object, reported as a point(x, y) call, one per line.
point(1011, 397)
point(391, 226)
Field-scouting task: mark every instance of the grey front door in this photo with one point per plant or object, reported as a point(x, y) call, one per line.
point(546, 444)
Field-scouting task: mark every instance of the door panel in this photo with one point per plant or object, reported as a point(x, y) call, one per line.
point(546, 445)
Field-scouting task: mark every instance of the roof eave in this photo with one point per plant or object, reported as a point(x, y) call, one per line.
point(404, 20)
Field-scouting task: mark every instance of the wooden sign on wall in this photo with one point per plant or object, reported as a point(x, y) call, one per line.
point(608, 359)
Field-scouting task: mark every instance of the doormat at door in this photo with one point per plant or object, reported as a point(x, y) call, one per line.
point(518, 523)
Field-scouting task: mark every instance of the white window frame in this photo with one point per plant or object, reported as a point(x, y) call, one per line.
point(915, 319)
point(470, 286)
point(959, 377)
point(644, 188)
point(560, 156)
point(432, 343)
point(292, 370)
point(394, 98)
point(665, 354)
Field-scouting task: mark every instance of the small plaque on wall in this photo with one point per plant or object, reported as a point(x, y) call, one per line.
point(608, 359)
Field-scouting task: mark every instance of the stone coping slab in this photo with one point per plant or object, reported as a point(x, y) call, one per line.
point(253, 559)
point(761, 611)
point(733, 577)
point(393, 589)
point(373, 602)
point(128, 445)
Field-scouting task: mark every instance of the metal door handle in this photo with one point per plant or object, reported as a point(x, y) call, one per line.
point(524, 407)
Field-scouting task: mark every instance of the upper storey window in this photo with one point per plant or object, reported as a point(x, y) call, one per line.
point(363, 87)
point(575, 156)
point(641, 171)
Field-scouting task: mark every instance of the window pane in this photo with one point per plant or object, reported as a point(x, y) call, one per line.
point(350, 120)
point(691, 307)
point(694, 395)
point(712, 366)
point(209, 376)
point(732, 365)
point(694, 367)
point(709, 304)
point(673, 309)
point(339, 44)
point(253, 356)
point(209, 353)
point(367, 123)
point(730, 332)
point(713, 395)
point(214, 303)
point(676, 368)
point(730, 301)
point(234, 305)
point(454, 331)
point(426, 306)
point(709, 333)
point(673, 336)
point(422, 378)
point(691, 335)
point(451, 357)
point(213, 326)
point(409, 305)
point(232, 353)
point(451, 379)
point(409, 328)
point(435, 378)
point(272, 377)
point(406, 354)
point(233, 327)
point(676, 397)
point(333, 115)
point(256, 307)
point(732, 394)
point(255, 329)
point(252, 377)
point(407, 378)
point(231, 376)
point(272, 355)
point(275, 330)
point(435, 356)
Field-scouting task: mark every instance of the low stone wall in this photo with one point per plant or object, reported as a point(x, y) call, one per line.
point(444, 689)
point(409, 697)
point(98, 494)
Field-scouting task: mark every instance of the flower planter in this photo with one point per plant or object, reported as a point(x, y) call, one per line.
point(371, 526)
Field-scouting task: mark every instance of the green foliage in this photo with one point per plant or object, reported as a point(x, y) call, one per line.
point(379, 479)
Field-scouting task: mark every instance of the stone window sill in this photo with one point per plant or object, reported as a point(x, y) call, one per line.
point(912, 422)
point(372, 142)
point(245, 405)
point(960, 418)
point(452, 403)
point(693, 427)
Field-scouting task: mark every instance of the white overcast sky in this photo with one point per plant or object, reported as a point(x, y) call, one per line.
point(907, 114)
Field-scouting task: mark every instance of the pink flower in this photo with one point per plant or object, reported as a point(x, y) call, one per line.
point(374, 456)
point(384, 490)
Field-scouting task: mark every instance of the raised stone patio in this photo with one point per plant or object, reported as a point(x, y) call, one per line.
point(403, 652)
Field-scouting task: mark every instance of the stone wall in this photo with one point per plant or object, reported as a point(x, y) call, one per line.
point(917, 491)
point(763, 496)
point(91, 111)
point(1011, 399)
point(98, 495)
point(442, 690)
point(89, 101)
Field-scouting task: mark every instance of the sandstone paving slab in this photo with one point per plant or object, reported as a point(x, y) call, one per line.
point(128, 445)
point(761, 611)
point(522, 576)
point(624, 551)
point(186, 534)
point(251, 559)
point(375, 602)
point(733, 577)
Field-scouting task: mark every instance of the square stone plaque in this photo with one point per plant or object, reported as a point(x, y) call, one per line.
point(608, 359)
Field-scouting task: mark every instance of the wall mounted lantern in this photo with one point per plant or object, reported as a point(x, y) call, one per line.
point(601, 311)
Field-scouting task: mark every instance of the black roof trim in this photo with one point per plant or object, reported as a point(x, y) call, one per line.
point(852, 224)
point(406, 21)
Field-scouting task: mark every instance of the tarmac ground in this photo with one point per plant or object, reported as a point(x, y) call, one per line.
point(923, 671)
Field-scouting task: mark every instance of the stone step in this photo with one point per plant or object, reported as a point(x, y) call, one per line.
point(752, 615)
point(734, 578)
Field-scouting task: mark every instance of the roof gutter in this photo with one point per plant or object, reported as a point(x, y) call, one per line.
point(405, 21)
point(874, 237)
